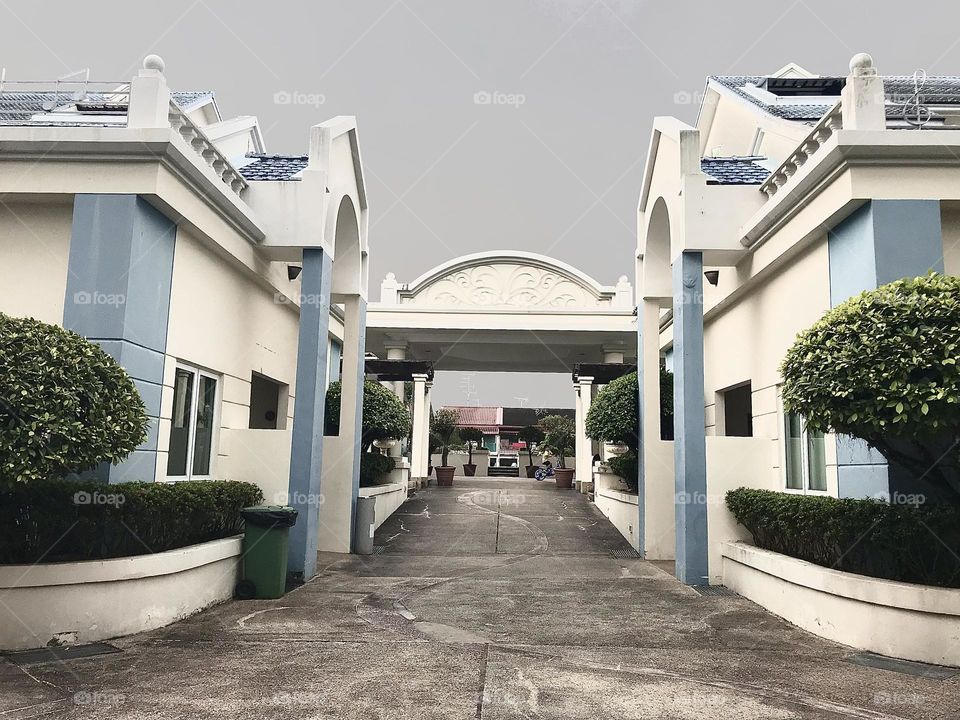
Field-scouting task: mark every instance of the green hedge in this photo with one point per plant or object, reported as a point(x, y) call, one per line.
point(60, 520)
point(627, 467)
point(908, 543)
point(374, 468)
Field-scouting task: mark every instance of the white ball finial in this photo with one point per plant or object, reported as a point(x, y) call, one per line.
point(861, 64)
point(153, 62)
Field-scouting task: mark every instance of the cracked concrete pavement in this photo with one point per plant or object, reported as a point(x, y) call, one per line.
point(492, 599)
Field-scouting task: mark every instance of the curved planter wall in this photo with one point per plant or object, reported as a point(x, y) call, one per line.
point(913, 622)
point(98, 599)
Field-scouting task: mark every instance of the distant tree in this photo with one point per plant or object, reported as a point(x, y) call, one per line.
point(443, 425)
point(472, 437)
point(531, 435)
point(559, 436)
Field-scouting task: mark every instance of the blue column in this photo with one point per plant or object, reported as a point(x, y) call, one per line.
point(690, 450)
point(882, 241)
point(119, 279)
point(306, 452)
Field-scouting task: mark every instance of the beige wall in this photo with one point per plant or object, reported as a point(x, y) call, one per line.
point(747, 339)
point(734, 129)
point(222, 319)
point(34, 252)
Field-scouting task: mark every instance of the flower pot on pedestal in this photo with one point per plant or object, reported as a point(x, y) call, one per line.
point(445, 475)
point(564, 478)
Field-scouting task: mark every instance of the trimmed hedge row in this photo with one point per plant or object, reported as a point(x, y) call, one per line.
point(62, 520)
point(907, 543)
point(374, 468)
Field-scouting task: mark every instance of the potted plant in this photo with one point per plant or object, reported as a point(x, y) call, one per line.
point(472, 437)
point(444, 425)
point(433, 448)
point(530, 435)
point(559, 436)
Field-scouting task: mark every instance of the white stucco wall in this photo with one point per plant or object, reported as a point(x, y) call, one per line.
point(747, 339)
point(34, 251)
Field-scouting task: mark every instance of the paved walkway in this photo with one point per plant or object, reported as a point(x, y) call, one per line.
point(494, 599)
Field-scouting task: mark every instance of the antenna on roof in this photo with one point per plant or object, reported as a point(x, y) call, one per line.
point(77, 95)
point(914, 111)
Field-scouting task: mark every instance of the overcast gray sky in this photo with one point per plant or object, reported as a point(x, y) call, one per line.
point(556, 171)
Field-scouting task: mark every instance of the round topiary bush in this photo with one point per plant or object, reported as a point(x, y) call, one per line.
point(65, 404)
point(384, 416)
point(614, 413)
point(883, 367)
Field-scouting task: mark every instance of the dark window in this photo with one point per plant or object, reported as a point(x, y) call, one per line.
point(268, 403)
point(738, 411)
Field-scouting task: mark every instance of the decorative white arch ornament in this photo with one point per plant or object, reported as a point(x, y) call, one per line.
point(507, 280)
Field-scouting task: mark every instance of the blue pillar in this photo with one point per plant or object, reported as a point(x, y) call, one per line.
point(306, 452)
point(690, 451)
point(119, 279)
point(882, 241)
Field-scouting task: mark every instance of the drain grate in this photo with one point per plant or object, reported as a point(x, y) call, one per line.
point(623, 554)
point(60, 653)
point(906, 667)
point(378, 549)
point(714, 590)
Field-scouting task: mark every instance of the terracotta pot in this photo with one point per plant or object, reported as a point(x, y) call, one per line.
point(469, 469)
point(564, 477)
point(445, 475)
point(531, 471)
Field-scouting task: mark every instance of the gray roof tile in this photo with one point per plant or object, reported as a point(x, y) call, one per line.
point(938, 90)
point(18, 108)
point(733, 170)
point(273, 167)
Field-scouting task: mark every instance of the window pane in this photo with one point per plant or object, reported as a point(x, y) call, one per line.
point(203, 439)
point(180, 424)
point(816, 461)
point(793, 439)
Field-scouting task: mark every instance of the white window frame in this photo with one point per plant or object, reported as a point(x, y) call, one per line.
point(192, 430)
point(804, 456)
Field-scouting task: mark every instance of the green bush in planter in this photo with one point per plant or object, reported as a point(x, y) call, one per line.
point(614, 413)
point(443, 430)
point(65, 405)
point(627, 468)
point(384, 416)
point(883, 367)
point(374, 467)
point(559, 436)
point(61, 520)
point(907, 543)
point(472, 438)
point(531, 435)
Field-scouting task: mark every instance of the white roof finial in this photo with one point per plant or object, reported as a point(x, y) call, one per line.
point(862, 64)
point(153, 62)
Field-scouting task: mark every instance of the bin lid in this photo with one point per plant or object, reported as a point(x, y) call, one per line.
point(270, 515)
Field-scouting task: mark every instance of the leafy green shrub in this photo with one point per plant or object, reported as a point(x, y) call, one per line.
point(472, 437)
point(374, 467)
point(531, 435)
point(883, 367)
point(627, 468)
point(65, 404)
point(908, 543)
point(443, 430)
point(60, 520)
point(559, 436)
point(383, 417)
point(614, 413)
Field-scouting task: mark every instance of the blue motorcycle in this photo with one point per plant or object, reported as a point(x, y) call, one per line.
point(544, 472)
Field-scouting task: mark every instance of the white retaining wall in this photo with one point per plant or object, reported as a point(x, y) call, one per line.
point(82, 602)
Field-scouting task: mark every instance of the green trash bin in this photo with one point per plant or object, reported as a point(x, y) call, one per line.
point(265, 545)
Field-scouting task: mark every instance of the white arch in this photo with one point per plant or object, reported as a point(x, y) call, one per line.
point(507, 278)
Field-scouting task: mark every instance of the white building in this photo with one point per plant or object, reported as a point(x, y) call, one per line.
point(144, 220)
point(791, 193)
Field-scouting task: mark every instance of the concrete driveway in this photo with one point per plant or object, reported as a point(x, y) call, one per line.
point(493, 599)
